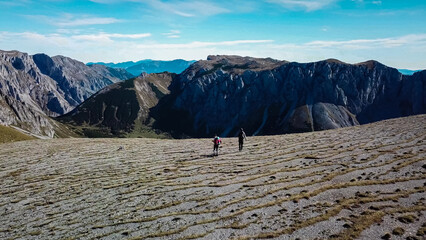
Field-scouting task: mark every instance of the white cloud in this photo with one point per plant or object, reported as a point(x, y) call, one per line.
point(119, 47)
point(406, 51)
point(105, 1)
point(132, 36)
point(85, 21)
point(69, 20)
point(370, 43)
point(68, 31)
point(308, 5)
point(362, 2)
point(183, 8)
point(106, 37)
point(197, 44)
point(172, 34)
point(9, 3)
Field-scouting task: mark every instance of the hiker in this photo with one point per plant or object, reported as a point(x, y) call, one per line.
point(241, 137)
point(216, 143)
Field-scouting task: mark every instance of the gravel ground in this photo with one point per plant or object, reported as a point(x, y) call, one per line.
point(364, 182)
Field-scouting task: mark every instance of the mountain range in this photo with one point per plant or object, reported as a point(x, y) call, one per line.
point(214, 96)
point(150, 66)
point(264, 96)
point(34, 88)
point(407, 71)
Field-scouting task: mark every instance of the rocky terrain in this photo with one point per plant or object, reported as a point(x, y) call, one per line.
point(266, 96)
point(32, 88)
point(363, 182)
point(218, 95)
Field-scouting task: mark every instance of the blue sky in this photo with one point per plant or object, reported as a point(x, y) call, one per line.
point(390, 31)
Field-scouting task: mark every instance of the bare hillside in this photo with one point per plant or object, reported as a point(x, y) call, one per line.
point(364, 182)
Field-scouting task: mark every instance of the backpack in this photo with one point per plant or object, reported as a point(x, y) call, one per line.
point(217, 141)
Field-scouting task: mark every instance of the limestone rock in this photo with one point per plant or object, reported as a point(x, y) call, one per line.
point(267, 96)
point(34, 88)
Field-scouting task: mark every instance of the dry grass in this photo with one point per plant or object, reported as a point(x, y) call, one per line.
point(8, 134)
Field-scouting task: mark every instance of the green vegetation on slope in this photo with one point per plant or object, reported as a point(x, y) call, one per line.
point(8, 134)
point(121, 110)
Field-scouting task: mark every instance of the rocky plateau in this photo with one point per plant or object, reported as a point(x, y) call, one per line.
point(361, 182)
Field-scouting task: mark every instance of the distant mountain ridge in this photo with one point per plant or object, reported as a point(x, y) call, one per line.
point(408, 72)
point(267, 96)
point(150, 66)
point(36, 87)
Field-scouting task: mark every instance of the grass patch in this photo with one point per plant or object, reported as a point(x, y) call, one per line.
point(8, 134)
point(35, 233)
point(421, 232)
point(143, 131)
point(360, 223)
point(237, 225)
point(398, 231)
point(17, 172)
point(196, 236)
point(407, 219)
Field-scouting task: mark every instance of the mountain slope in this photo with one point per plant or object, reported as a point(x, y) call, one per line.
point(32, 88)
point(8, 134)
point(76, 80)
point(359, 182)
point(266, 96)
point(120, 108)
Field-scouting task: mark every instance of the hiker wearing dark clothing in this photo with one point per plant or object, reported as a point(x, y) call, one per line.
point(216, 143)
point(241, 137)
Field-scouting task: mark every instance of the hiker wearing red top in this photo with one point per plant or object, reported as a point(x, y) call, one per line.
point(216, 143)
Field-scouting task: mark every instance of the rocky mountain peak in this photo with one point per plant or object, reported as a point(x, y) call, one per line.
point(265, 96)
point(35, 87)
point(237, 64)
point(370, 64)
point(337, 61)
point(17, 59)
point(44, 63)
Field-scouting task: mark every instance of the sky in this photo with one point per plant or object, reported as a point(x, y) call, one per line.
point(390, 31)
